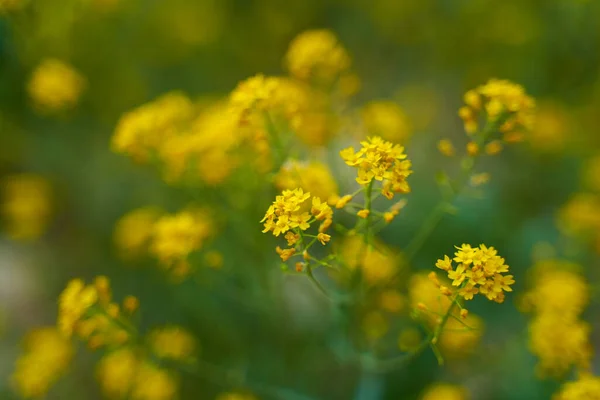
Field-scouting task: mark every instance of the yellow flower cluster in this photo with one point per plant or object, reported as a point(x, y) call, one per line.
point(557, 335)
point(88, 312)
point(125, 373)
point(445, 391)
point(134, 230)
point(175, 236)
point(46, 356)
point(586, 387)
point(141, 132)
point(316, 55)
point(386, 120)
point(264, 103)
point(381, 161)
point(505, 103)
point(314, 177)
point(290, 214)
point(195, 142)
point(580, 217)
point(26, 206)
point(172, 342)
point(55, 86)
point(478, 270)
point(377, 263)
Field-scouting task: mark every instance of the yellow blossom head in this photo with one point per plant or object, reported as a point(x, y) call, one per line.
point(387, 120)
point(314, 177)
point(133, 231)
point(586, 387)
point(316, 55)
point(479, 270)
point(55, 86)
point(25, 205)
point(175, 236)
point(504, 103)
point(45, 358)
point(172, 342)
point(381, 161)
point(141, 132)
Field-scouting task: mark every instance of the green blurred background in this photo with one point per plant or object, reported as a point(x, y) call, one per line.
point(421, 54)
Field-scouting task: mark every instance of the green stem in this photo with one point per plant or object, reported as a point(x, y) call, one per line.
point(315, 282)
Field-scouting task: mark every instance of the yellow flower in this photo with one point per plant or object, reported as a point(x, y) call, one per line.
point(445, 391)
point(378, 263)
point(559, 343)
point(142, 131)
point(313, 177)
point(285, 254)
point(559, 291)
point(73, 302)
point(382, 161)
point(505, 103)
point(253, 94)
point(55, 86)
point(316, 55)
point(287, 213)
point(46, 357)
point(580, 215)
point(363, 213)
point(177, 235)
point(446, 147)
point(172, 342)
point(116, 372)
point(133, 231)
point(124, 373)
point(479, 270)
point(26, 206)
point(586, 387)
point(88, 312)
point(154, 383)
point(323, 238)
point(387, 120)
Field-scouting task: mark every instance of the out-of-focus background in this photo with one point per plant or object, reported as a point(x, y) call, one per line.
point(422, 55)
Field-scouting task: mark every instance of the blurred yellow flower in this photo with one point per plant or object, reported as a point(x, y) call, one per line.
point(387, 120)
point(133, 231)
point(316, 55)
point(445, 391)
point(314, 177)
point(377, 263)
point(26, 205)
point(560, 343)
point(55, 86)
point(140, 132)
point(46, 357)
point(175, 236)
point(124, 372)
point(503, 102)
point(172, 342)
point(586, 387)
